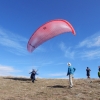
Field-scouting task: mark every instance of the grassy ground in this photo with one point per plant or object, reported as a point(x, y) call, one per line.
point(12, 88)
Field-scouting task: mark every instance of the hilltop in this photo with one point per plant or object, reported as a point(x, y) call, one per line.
point(18, 88)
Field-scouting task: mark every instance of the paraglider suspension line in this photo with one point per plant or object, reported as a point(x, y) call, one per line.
point(32, 46)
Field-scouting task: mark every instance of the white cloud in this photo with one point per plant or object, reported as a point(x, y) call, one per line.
point(91, 54)
point(7, 70)
point(47, 63)
point(60, 63)
point(15, 43)
point(68, 52)
point(62, 46)
point(40, 49)
point(89, 48)
point(92, 41)
point(58, 74)
point(83, 43)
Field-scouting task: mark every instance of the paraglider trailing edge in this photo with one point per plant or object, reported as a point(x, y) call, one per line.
point(48, 31)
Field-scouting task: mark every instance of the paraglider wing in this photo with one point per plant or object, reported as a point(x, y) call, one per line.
point(48, 31)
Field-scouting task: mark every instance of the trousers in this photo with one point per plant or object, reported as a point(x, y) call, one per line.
point(70, 80)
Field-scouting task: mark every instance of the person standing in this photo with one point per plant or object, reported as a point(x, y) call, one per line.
point(99, 74)
point(99, 71)
point(88, 72)
point(70, 73)
point(99, 68)
point(33, 73)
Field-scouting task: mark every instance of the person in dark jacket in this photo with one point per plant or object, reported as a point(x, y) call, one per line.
point(99, 68)
point(33, 73)
point(88, 72)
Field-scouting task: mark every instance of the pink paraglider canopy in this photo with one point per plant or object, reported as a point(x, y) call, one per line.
point(48, 31)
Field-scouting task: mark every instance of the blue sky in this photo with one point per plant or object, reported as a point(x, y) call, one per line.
point(20, 18)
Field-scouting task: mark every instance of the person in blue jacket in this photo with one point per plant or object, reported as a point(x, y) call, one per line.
point(70, 73)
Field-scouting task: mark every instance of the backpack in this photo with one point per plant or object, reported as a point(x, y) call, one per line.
point(99, 73)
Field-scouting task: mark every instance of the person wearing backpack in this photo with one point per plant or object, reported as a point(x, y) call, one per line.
point(99, 68)
point(99, 74)
point(33, 73)
point(70, 73)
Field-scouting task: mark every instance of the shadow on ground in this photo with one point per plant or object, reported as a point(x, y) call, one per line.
point(20, 79)
point(96, 81)
point(57, 86)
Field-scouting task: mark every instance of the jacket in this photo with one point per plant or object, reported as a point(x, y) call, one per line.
point(71, 70)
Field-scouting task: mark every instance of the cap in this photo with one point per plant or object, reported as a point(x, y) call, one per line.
point(69, 64)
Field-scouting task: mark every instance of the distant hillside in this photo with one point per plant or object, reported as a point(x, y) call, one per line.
point(12, 88)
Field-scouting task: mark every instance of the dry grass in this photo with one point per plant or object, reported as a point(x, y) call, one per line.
point(48, 89)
